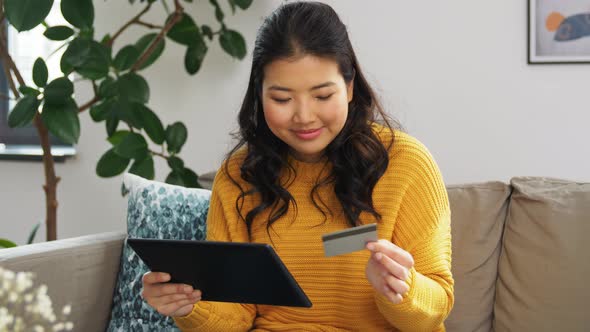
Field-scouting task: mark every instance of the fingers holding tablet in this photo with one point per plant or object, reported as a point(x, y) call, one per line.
point(168, 299)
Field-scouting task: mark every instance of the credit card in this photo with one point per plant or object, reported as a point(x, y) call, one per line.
point(349, 240)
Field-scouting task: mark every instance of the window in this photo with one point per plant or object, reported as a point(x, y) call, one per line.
point(25, 47)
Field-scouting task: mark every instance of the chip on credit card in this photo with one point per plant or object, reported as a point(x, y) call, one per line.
point(349, 240)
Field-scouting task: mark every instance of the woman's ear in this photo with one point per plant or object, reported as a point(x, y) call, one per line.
point(350, 86)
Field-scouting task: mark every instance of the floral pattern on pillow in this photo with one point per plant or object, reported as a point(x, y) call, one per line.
point(159, 211)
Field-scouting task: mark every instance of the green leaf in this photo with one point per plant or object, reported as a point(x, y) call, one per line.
point(184, 177)
point(88, 57)
point(233, 43)
point(24, 15)
point(105, 39)
point(98, 112)
point(77, 52)
point(206, 30)
point(152, 125)
point(194, 56)
point(59, 32)
point(4, 243)
point(176, 163)
point(111, 164)
point(126, 57)
point(107, 88)
point(96, 63)
point(23, 112)
point(40, 73)
point(132, 146)
point(175, 178)
point(190, 178)
point(86, 33)
point(118, 136)
point(62, 120)
point(185, 31)
point(144, 168)
point(65, 67)
point(58, 91)
point(79, 13)
point(128, 112)
point(233, 6)
point(243, 4)
point(218, 12)
point(176, 135)
point(102, 111)
point(112, 123)
point(142, 45)
point(133, 87)
point(33, 233)
point(27, 90)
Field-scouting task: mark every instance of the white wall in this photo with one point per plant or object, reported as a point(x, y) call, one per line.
point(453, 72)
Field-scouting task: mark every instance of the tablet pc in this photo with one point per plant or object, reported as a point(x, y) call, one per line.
point(224, 271)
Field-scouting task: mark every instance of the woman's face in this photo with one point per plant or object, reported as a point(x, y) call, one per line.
point(305, 102)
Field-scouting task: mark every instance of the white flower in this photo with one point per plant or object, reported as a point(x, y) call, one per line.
point(5, 318)
point(12, 297)
point(23, 281)
point(8, 275)
point(67, 309)
point(24, 307)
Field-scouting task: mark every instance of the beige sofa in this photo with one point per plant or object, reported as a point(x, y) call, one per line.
point(521, 255)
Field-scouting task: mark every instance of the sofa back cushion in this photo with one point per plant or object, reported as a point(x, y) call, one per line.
point(478, 212)
point(159, 211)
point(80, 272)
point(545, 260)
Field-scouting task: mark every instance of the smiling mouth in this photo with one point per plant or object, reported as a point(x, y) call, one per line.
point(308, 134)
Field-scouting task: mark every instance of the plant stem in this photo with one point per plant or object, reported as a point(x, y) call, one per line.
point(149, 25)
point(57, 49)
point(92, 101)
point(51, 180)
point(178, 10)
point(159, 154)
point(135, 19)
point(8, 74)
point(88, 104)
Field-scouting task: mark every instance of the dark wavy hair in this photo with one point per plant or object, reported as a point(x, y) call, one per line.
point(357, 156)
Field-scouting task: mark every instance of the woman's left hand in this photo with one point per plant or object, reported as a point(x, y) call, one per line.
point(388, 269)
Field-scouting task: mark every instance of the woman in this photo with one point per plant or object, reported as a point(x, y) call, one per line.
point(311, 160)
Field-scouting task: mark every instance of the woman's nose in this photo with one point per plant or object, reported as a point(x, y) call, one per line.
point(303, 114)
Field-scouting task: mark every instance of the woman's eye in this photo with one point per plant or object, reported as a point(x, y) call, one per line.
point(281, 101)
point(323, 98)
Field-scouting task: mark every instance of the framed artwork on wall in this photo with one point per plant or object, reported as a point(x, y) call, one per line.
point(558, 31)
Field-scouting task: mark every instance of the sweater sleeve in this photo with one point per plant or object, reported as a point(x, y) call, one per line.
point(218, 316)
point(423, 229)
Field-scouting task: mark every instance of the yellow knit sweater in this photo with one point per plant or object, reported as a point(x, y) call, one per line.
point(413, 203)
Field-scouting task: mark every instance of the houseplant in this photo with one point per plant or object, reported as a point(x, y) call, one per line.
point(121, 93)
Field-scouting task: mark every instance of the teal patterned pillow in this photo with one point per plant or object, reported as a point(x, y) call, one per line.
point(160, 211)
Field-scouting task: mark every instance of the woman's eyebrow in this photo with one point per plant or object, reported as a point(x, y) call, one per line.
point(282, 88)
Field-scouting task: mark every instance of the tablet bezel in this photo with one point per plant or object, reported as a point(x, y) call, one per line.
point(267, 282)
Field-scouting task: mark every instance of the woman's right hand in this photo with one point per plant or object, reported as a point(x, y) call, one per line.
point(168, 299)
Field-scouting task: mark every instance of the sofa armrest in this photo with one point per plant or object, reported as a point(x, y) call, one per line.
point(79, 271)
